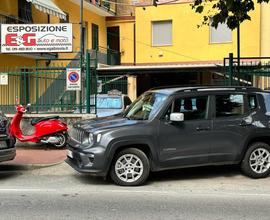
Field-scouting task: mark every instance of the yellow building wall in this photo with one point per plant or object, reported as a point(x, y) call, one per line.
point(189, 42)
point(126, 29)
point(74, 17)
point(9, 7)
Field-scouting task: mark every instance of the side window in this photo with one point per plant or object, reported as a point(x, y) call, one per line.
point(252, 102)
point(229, 105)
point(193, 108)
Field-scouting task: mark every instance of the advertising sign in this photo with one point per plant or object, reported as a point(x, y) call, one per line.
point(73, 79)
point(3, 79)
point(36, 38)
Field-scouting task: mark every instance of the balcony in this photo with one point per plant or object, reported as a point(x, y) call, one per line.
point(105, 56)
point(101, 7)
point(11, 19)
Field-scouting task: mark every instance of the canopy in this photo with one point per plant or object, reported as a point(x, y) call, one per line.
point(49, 7)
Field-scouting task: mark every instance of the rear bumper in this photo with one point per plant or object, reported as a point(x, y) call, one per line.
point(7, 154)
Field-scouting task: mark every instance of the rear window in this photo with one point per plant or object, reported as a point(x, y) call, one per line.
point(266, 97)
point(229, 105)
point(110, 102)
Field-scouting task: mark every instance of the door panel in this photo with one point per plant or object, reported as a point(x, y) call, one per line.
point(186, 143)
point(230, 127)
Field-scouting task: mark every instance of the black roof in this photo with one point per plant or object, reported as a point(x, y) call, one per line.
point(176, 89)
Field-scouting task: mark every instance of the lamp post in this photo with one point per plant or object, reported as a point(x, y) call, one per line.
point(79, 93)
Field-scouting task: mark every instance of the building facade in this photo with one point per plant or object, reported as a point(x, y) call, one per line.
point(146, 45)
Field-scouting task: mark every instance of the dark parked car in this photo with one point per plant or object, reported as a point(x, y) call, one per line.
point(174, 128)
point(7, 148)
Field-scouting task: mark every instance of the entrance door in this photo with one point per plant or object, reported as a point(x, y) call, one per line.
point(186, 143)
point(113, 41)
point(95, 37)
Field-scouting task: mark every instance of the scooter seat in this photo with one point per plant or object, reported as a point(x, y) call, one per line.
point(37, 120)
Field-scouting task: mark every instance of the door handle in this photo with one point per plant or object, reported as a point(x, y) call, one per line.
point(202, 128)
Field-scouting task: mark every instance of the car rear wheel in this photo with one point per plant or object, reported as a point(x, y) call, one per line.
point(130, 167)
point(256, 163)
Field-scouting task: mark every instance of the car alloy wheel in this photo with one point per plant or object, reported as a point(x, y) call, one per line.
point(130, 167)
point(259, 160)
point(256, 162)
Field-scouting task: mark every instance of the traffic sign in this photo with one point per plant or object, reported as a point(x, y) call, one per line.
point(73, 79)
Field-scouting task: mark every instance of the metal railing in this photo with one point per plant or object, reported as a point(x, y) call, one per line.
point(105, 4)
point(106, 56)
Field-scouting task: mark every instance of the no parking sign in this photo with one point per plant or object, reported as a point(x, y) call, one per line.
point(73, 79)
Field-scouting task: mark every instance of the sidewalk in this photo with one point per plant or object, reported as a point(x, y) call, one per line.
point(38, 156)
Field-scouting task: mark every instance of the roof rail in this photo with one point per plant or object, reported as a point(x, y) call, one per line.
point(189, 88)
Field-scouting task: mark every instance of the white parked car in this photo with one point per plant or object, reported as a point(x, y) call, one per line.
point(108, 104)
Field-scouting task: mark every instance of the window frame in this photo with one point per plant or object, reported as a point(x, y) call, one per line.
point(245, 105)
point(170, 104)
point(219, 42)
point(152, 33)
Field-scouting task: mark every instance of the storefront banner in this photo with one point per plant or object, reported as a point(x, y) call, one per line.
point(36, 38)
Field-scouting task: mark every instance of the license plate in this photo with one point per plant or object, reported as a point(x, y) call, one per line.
point(69, 154)
point(3, 144)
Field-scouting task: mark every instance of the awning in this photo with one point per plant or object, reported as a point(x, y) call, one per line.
point(49, 7)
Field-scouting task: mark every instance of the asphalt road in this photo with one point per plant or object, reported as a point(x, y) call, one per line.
point(58, 192)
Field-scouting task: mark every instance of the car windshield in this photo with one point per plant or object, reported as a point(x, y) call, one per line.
point(112, 102)
point(146, 106)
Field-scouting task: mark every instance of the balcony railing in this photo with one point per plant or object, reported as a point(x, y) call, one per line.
point(104, 4)
point(106, 56)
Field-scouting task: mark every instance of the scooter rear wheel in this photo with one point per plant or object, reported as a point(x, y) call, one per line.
point(63, 140)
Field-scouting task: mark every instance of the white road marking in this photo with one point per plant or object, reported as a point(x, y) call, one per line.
point(142, 192)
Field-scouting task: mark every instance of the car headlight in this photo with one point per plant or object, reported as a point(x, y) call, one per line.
point(91, 138)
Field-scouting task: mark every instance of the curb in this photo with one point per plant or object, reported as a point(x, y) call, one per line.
point(34, 166)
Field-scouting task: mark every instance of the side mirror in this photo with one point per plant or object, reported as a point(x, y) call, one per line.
point(176, 117)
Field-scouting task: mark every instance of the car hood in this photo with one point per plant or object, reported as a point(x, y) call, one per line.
point(105, 123)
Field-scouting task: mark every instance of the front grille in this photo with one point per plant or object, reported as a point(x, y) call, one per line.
point(77, 134)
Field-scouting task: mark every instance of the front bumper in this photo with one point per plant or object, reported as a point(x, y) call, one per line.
point(87, 160)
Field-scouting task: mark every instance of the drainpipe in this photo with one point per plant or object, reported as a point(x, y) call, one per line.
point(265, 40)
point(134, 44)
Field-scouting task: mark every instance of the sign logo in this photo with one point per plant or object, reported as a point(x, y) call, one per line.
point(17, 40)
point(73, 77)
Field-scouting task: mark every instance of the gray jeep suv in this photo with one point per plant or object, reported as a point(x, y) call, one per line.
point(168, 128)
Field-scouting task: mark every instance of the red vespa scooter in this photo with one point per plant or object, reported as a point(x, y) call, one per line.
point(49, 130)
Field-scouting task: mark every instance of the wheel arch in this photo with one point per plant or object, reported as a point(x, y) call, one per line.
point(143, 146)
point(261, 138)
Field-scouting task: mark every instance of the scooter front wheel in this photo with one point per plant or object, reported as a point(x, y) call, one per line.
point(62, 140)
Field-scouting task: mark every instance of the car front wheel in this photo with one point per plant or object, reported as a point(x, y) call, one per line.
point(256, 163)
point(130, 167)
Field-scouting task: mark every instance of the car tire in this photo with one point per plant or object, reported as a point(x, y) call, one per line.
point(130, 167)
point(256, 162)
